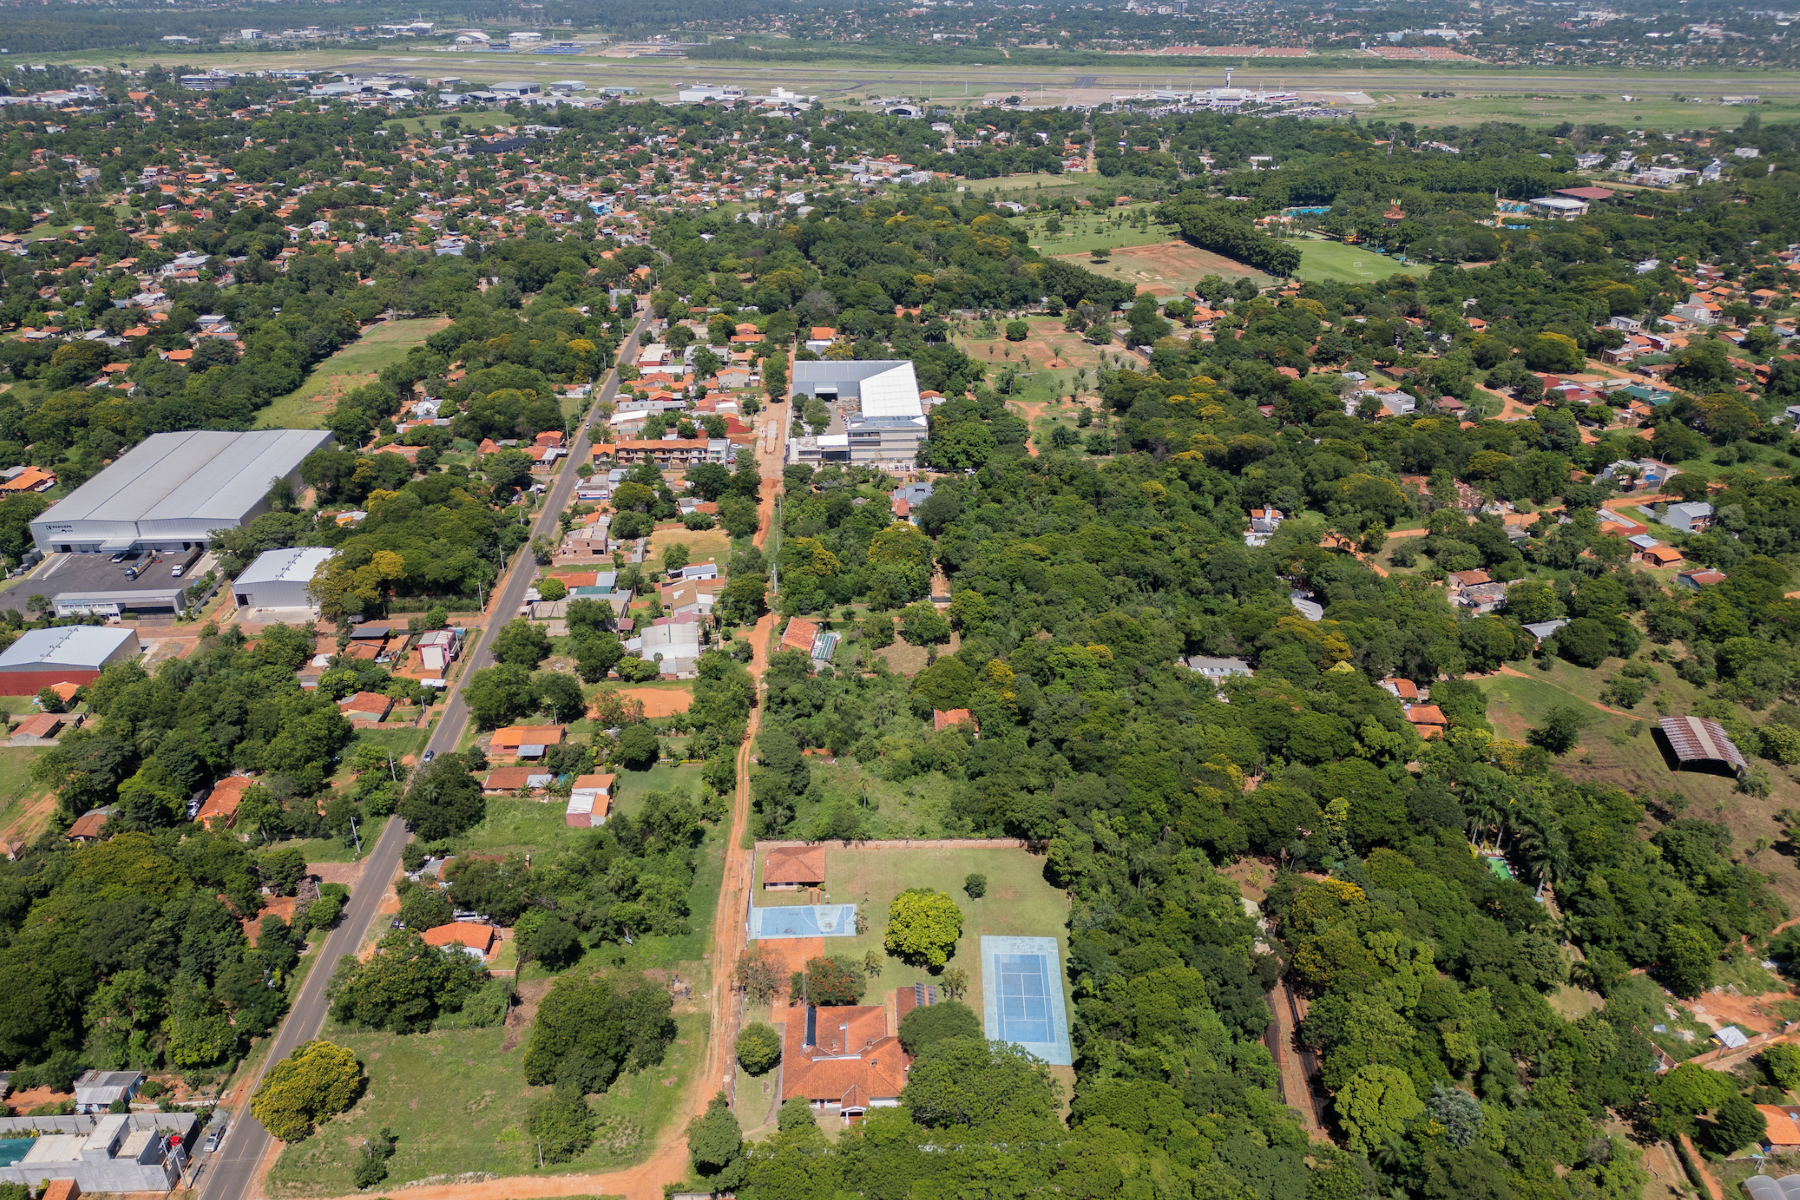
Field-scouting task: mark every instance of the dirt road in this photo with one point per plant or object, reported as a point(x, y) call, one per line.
point(669, 1162)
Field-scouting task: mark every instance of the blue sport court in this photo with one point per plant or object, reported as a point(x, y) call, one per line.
point(1022, 996)
point(803, 921)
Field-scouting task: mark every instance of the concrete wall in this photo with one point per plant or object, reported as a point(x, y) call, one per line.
point(108, 1174)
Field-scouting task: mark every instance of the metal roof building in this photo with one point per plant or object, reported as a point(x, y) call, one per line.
point(173, 489)
point(1697, 740)
point(279, 578)
point(63, 654)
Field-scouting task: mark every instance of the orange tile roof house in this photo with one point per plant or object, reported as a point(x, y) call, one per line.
point(509, 738)
point(842, 1060)
point(590, 799)
point(471, 937)
point(799, 635)
point(219, 810)
point(89, 825)
point(945, 718)
point(41, 727)
point(788, 867)
point(366, 706)
point(504, 781)
point(1428, 719)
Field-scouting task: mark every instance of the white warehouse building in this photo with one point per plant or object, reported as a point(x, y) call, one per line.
point(279, 578)
point(173, 489)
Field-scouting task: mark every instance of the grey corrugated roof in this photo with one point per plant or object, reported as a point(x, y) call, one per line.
point(64, 646)
point(294, 565)
point(1698, 739)
point(199, 473)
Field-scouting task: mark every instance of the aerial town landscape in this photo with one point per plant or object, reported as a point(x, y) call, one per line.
point(941, 599)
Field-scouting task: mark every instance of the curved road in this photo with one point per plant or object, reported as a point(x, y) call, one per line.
point(232, 1173)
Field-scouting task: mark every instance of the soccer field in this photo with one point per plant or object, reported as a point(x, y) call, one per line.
point(1321, 261)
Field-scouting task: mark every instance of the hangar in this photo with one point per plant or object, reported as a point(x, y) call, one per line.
point(173, 489)
point(281, 578)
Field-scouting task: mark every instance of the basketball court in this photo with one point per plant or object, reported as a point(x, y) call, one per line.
point(802, 921)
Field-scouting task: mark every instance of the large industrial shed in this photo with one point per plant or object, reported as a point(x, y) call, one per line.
point(173, 489)
point(64, 654)
point(279, 578)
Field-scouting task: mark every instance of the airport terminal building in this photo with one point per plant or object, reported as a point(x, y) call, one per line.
point(173, 489)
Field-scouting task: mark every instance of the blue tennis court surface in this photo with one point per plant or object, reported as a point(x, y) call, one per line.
point(1022, 995)
point(803, 921)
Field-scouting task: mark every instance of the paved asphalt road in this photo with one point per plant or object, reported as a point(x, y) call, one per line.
point(231, 1173)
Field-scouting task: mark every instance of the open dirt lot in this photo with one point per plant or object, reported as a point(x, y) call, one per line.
point(660, 702)
point(1167, 268)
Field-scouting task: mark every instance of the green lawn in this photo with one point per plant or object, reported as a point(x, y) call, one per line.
point(355, 365)
point(16, 788)
point(1322, 260)
point(457, 1101)
point(331, 850)
point(399, 741)
point(1093, 231)
point(1019, 901)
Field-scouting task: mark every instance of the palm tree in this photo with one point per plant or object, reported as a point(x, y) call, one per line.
point(1545, 852)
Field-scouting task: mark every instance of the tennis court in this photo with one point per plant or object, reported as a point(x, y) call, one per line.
point(802, 921)
point(1022, 995)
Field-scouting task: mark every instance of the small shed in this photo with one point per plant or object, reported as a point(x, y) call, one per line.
point(1698, 742)
point(786, 868)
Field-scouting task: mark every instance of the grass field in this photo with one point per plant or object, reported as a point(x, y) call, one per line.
point(1322, 260)
point(355, 365)
point(457, 1100)
point(1166, 269)
point(1620, 751)
point(24, 807)
point(704, 545)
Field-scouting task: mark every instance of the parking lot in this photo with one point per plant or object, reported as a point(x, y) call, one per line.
point(91, 573)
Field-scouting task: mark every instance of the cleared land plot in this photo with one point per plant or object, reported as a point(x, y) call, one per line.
point(1620, 751)
point(661, 700)
point(1049, 345)
point(1166, 269)
point(356, 365)
point(457, 1100)
point(1019, 901)
point(704, 545)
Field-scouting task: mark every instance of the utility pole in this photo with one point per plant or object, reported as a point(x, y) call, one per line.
point(356, 836)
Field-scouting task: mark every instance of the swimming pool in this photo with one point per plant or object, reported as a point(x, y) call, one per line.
point(14, 1150)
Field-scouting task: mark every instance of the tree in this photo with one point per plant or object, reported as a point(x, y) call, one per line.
point(739, 516)
point(878, 630)
point(967, 1081)
point(828, 982)
point(758, 974)
point(404, 986)
point(1677, 1097)
point(444, 800)
point(547, 939)
point(311, 1085)
point(496, 695)
point(372, 1166)
point(1782, 1064)
point(759, 1047)
point(561, 1124)
point(924, 1027)
point(922, 624)
point(522, 644)
point(1459, 1113)
point(1374, 1105)
point(639, 749)
point(1688, 957)
point(552, 588)
point(923, 926)
point(1585, 641)
point(589, 1030)
point(976, 885)
point(1736, 1124)
point(1560, 730)
point(716, 1142)
point(559, 695)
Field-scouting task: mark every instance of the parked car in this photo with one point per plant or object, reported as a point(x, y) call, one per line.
point(216, 1138)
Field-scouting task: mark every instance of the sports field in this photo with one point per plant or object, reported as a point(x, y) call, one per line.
point(1321, 261)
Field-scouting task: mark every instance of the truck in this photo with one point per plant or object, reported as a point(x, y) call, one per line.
point(181, 568)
